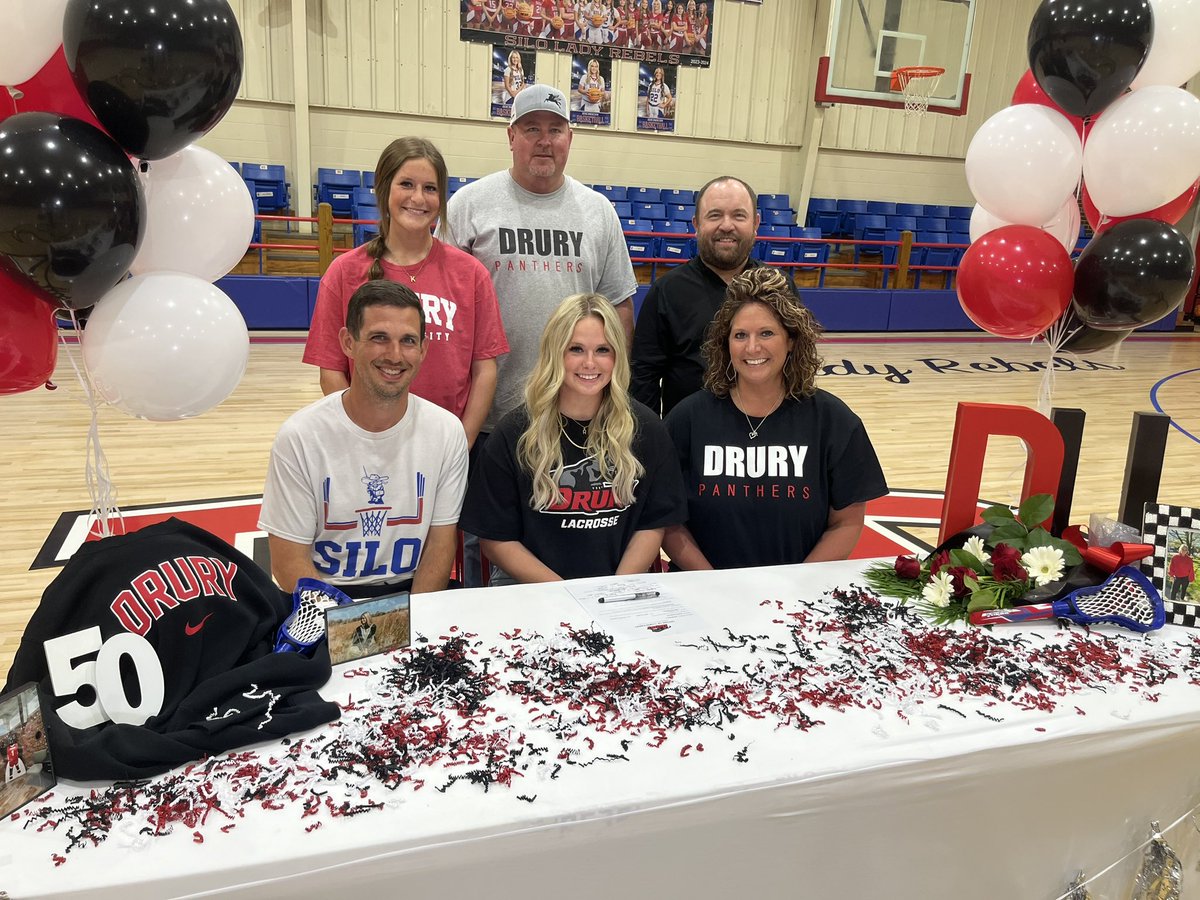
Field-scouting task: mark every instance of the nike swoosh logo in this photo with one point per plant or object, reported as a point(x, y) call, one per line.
point(190, 629)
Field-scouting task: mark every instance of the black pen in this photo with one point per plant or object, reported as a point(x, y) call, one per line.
point(621, 598)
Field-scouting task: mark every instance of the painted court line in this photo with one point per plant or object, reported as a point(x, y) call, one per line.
point(1158, 406)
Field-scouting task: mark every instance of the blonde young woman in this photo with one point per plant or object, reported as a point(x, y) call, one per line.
point(462, 317)
point(581, 480)
point(776, 471)
point(514, 77)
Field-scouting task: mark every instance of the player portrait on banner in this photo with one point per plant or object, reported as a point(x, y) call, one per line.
point(656, 32)
point(656, 98)
point(512, 72)
point(591, 91)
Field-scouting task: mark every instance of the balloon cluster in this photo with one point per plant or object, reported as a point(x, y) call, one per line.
point(1098, 113)
point(99, 179)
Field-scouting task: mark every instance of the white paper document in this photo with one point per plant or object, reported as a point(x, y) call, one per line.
point(635, 607)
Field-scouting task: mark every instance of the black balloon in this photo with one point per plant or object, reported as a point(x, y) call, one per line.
point(71, 207)
point(1083, 338)
point(158, 74)
point(1132, 274)
point(1085, 53)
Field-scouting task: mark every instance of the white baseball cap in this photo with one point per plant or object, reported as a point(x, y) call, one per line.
point(540, 98)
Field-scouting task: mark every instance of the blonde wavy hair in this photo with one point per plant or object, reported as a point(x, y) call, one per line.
point(609, 437)
point(768, 286)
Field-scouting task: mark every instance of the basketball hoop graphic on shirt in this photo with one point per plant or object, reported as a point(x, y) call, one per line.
point(373, 517)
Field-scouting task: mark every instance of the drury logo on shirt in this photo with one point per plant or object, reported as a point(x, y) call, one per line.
point(586, 494)
point(151, 594)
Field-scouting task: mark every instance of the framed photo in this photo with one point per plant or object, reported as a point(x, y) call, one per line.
point(1174, 532)
point(367, 627)
point(24, 749)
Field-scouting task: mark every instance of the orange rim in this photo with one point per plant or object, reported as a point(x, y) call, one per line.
point(902, 76)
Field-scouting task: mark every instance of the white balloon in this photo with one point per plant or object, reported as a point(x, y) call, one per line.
point(33, 30)
point(165, 346)
point(1023, 163)
point(1144, 150)
point(1174, 55)
point(199, 216)
point(1064, 226)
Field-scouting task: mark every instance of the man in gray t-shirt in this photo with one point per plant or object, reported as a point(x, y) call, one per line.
point(541, 235)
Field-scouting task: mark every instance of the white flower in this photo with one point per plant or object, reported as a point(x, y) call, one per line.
point(974, 546)
point(939, 589)
point(1044, 564)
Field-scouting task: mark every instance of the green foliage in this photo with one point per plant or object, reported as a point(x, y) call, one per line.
point(1036, 510)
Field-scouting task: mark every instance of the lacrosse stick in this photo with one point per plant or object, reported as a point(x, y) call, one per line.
point(305, 627)
point(1127, 599)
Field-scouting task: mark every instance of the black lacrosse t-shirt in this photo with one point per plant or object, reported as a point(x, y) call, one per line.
point(587, 533)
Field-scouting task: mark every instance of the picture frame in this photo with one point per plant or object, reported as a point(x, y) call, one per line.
point(1172, 531)
point(368, 627)
point(24, 749)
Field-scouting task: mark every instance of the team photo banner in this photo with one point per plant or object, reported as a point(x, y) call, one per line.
point(658, 32)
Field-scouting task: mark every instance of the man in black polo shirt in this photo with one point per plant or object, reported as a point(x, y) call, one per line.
point(671, 324)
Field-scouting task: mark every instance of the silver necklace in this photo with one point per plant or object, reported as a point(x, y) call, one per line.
point(570, 440)
point(755, 428)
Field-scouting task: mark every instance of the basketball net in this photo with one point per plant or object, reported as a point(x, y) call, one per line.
point(372, 519)
point(917, 84)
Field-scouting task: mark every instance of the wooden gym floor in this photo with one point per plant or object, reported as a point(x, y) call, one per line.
point(905, 387)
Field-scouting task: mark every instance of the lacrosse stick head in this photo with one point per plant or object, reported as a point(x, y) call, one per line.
point(304, 629)
point(1126, 598)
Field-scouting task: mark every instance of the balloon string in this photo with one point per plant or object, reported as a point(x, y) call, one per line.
point(96, 471)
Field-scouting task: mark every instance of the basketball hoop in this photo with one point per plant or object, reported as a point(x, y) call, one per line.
point(917, 84)
point(372, 519)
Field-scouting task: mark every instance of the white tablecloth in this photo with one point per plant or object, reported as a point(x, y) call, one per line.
point(790, 749)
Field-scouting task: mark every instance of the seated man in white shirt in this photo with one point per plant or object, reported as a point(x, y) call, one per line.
point(364, 486)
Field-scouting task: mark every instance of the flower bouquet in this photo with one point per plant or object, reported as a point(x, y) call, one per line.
point(1016, 556)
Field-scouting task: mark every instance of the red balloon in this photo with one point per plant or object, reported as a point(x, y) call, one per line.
point(8, 106)
point(53, 89)
point(1014, 282)
point(1170, 212)
point(28, 338)
point(1029, 91)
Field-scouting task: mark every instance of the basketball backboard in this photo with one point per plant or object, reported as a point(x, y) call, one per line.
point(869, 39)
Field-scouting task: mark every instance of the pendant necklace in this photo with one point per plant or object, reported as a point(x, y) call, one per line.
point(562, 420)
point(412, 276)
point(755, 428)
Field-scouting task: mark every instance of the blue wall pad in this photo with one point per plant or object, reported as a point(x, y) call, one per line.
point(638, 297)
point(271, 301)
point(845, 309)
point(927, 311)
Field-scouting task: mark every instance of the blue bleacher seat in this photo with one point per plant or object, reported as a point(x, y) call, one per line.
point(681, 212)
point(612, 191)
point(811, 253)
point(649, 210)
point(368, 179)
point(960, 212)
point(774, 248)
point(336, 187)
point(268, 185)
point(823, 214)
point(910, 209)
point(672, 226)
point(849, 209)
point(364, 196)
point(778, 217)
point(936, 256)
point(774, 201)
point(869, 227)
point(681, 248)
point(940, 212)
point(645, 195)
point(237, 167)
point(683, 198)
point(881, 207)
point(363, 233)
point(456, 182)
point(624, 209)
point(902, 223)
point(931, 223)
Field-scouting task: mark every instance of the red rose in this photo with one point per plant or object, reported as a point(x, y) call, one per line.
point(1006, 564)
point(908, 567)
point(939, 562)
point(958, 578)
